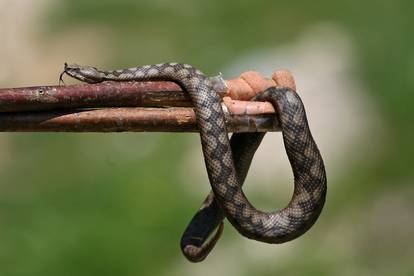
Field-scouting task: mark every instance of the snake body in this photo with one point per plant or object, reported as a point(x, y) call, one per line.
point(225, 176)
point(194, 244)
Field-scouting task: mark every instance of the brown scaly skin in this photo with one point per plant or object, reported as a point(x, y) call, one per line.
point(209, 216)
point(304, 157)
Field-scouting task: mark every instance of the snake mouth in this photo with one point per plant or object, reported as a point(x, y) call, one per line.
point(61, 78)
point(68, 70)
point(62, 74)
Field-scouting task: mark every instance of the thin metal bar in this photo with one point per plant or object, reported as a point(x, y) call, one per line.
point(138, 119)
point(106, 94)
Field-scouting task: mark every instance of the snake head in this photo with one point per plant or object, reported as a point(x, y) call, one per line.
point(83, 73)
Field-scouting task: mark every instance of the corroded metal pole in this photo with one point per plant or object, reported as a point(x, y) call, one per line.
point(106, 94)
point(85, 107)
point(138, 119)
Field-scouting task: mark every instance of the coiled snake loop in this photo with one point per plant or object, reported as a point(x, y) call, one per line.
point(225, 175)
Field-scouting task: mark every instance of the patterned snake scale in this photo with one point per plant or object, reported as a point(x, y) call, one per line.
point(226, 176)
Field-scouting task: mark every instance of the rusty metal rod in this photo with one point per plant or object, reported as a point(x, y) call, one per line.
point(138, 119)
point(62, 109)
point(106, 94)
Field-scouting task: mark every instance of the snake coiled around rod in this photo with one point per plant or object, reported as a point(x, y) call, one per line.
point(303, 154)
point(307, 166)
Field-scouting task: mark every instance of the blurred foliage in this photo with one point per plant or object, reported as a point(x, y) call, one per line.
point(212, 33)
point(65, 216)
point(70, 217)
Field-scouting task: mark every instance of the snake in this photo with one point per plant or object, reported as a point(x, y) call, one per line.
point(227, 162)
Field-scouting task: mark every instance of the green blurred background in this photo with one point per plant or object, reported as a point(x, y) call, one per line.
point(116, 204)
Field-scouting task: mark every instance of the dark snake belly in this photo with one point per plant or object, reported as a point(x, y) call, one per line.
point(303, 154)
